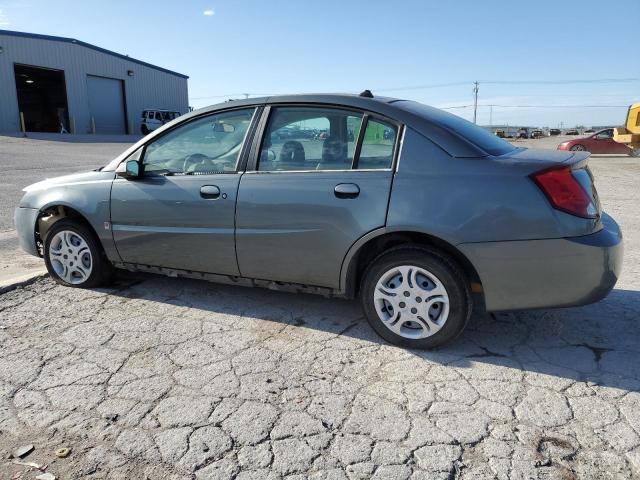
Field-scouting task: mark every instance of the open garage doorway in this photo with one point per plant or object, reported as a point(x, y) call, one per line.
point(42, 98)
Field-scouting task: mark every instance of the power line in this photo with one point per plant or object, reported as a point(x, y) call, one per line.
point(512, 82)
point(534, 106)
point(232, 95)
point(457, 84)
point(421, 87)
point(560, 82)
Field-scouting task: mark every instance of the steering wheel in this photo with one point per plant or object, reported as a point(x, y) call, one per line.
point(193, 160)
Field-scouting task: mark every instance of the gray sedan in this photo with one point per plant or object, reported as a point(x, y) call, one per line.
point(419, 213)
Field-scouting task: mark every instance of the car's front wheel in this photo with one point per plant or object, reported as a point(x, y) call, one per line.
point(73, 256)
point(416, 297)
point(635, 152)
point(578, 148)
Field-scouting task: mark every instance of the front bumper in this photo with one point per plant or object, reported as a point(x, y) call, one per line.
point(25, 221)
point(548, 273)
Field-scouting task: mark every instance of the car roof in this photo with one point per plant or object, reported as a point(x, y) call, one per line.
point(339, 99)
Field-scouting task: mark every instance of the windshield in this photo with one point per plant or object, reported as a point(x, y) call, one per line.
point(480, 137)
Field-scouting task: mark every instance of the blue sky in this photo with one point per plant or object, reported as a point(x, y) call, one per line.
point(229, 47)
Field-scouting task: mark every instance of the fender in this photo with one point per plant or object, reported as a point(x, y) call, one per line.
point(90, 197)
point(347, 263)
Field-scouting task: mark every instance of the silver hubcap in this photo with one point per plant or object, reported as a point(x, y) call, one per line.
point(411, 302)
point(70, 257)
point(578, 148)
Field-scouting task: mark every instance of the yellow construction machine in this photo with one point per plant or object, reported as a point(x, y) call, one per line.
point(630, 133)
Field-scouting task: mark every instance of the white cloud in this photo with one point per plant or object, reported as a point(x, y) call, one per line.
point(209, 12)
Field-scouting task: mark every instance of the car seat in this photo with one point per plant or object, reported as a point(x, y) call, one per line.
point(334, 151)
point(292, 152)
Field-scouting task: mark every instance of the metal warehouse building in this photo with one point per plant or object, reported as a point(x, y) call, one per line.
point(60, 83)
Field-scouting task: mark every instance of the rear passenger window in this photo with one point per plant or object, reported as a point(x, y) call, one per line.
point(377, 146)
point(309, 138)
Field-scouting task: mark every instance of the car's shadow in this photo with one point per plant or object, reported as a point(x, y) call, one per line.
point(599, 343)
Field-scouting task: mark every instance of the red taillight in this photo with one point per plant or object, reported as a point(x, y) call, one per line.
point(564, 192)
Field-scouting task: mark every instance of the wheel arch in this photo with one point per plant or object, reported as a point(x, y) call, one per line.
point(376, 242)
point(51, 214)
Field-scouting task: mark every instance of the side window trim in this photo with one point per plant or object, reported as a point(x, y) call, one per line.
point(248, 138)
point(261, 127)
point(363, 129)
point(397, 147)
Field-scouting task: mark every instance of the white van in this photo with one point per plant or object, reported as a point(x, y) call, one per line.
point(153, 118)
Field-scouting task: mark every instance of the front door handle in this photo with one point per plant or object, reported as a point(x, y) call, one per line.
point(347, 190)
point(209, 191)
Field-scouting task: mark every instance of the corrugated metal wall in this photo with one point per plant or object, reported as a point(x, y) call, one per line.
point(147, 88)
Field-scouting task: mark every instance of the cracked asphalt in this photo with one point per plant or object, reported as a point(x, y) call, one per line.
point(171, 378)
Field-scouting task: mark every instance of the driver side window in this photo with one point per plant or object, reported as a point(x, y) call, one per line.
point(204, 146)
point(605, 134)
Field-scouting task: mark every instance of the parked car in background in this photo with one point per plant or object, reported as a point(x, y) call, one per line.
point(572, 132)
point(599, 142)
point(500, 133)
point(154, 119)
point(554, 131)
point(537, 134)
point(217, 196)
point(591, 130)
point(523, 133)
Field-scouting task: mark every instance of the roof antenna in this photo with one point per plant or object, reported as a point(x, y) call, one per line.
point(366, 94)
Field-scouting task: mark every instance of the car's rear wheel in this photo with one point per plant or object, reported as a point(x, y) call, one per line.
point(578, 148)
point(73, 256)
point(416, 297)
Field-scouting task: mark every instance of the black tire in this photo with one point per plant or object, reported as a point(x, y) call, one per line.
point(144, 129)
point(445, 269)
point(635, 152)
point(101, 269)
point(578, 148)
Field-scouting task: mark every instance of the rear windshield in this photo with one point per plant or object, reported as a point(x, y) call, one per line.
point(480, 137)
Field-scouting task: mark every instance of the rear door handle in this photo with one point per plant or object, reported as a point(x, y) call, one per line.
point(209, 191)
point(347, 190)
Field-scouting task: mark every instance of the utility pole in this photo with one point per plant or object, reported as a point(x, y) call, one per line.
point(491, 115)
point(475, 101)
point(246, 95)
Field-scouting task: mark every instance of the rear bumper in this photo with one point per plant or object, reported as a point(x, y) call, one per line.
point(25, 222)
point(548, 273)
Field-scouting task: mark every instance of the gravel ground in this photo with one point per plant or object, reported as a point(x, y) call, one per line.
point(170, 378)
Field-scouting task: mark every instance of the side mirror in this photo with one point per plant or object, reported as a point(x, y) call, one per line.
point(129, 169)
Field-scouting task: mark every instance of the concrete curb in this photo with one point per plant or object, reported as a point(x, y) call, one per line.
point(21, 280)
